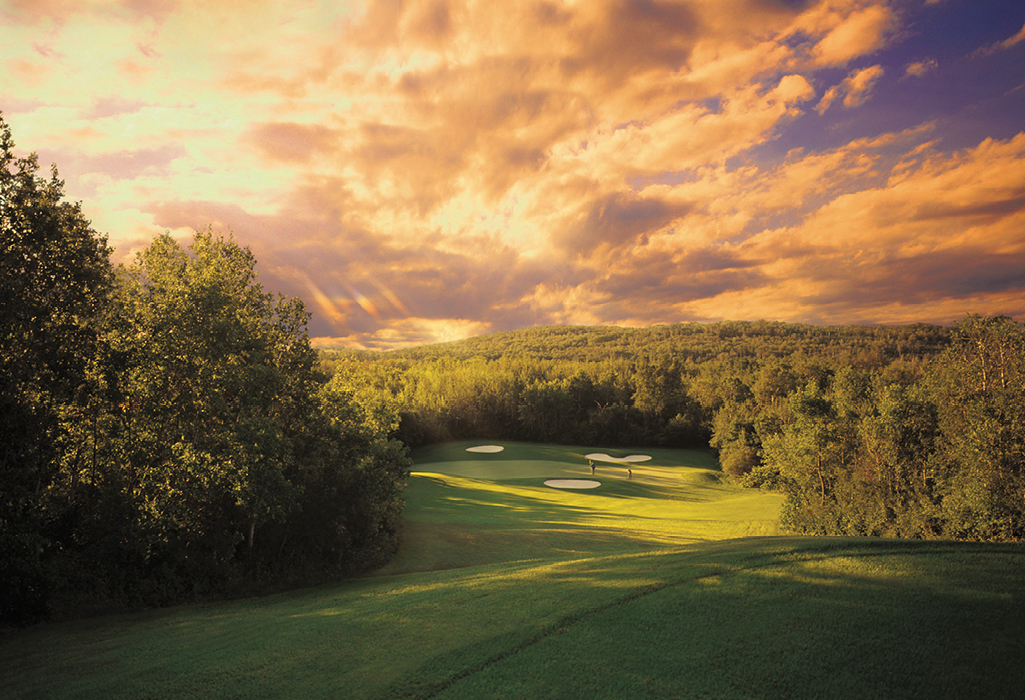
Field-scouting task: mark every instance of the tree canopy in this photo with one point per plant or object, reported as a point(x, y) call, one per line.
point(54, 278)
point(165, 431)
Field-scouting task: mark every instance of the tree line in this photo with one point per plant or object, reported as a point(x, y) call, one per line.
point(907, 431)
point(165, 431)
point(657, 386)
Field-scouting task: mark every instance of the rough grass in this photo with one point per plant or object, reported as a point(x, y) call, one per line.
point(559, 594)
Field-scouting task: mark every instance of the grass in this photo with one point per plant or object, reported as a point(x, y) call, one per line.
point(465, 509)
point(641, 588)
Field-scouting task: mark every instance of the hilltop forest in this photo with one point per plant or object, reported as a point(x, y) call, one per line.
point(909, 431)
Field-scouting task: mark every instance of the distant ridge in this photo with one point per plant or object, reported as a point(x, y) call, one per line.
point(696, 341)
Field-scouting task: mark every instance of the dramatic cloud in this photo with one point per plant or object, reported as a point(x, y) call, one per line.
point(427, 170)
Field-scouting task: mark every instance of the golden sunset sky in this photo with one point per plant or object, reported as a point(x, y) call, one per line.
point(426, 170)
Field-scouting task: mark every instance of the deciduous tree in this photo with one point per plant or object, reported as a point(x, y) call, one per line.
point(219, 373)
point(979, 384)
point(54, 277)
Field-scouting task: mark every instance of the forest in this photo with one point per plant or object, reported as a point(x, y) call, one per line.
point(899, 431)
point(165, 432)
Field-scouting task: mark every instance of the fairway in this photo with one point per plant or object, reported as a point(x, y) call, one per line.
point(648, 585)
point(465, 507)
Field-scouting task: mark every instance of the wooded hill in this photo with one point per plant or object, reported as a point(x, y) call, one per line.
point(660, 385)
point(697, 342)
point(913, 431)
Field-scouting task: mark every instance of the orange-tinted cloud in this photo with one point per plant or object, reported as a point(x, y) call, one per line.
point(854, 88)
point(62, 11)
point(861, 32)
point(1004, 45)
point(919, 68)
point(291, 142)
point(859, 84)
point(1016, 39)
point(422, 169)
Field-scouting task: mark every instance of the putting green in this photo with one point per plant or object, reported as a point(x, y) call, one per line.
point(629, 459)
point(465, 508)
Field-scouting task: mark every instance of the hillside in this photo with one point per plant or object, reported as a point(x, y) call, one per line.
point(694, 341)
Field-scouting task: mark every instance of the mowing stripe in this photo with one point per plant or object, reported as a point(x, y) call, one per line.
point(751, 562)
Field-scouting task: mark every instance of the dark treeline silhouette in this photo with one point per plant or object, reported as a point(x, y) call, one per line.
point(908, 431)
point(165, 434)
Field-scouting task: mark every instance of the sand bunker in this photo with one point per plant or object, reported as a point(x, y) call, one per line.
point(602, 457)
point(487, 449)
point(572, 483)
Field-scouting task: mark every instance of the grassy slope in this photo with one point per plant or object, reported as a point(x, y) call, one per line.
point(589, 594)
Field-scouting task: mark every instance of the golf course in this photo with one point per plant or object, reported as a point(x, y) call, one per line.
point(543, 571)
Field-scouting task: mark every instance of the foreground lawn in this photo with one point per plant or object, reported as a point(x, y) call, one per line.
point(599, 594)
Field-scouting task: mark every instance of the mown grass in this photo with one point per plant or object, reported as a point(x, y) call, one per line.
point(468, 509)
point(552, 594)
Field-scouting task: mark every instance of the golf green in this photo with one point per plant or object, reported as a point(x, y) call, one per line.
point(515, 460)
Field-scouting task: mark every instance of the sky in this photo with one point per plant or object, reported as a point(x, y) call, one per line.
point(427, 170)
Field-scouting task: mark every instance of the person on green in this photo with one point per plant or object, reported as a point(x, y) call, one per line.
point(591, 462)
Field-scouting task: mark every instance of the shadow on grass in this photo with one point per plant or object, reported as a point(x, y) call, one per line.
point(762, 619)
point(488, 503)
point(454, 522)
point(693, 491)
point(753, 618)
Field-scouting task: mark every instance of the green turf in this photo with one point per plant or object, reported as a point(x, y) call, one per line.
point(506, 588)
point(466, 509)
point(574, 455)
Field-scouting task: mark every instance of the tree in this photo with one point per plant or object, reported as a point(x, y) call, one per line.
point(979, 387)
point(660, 392)
point(736, 439)
point(899, 440)
point(351, 510)
point(812, 455)
point(54, 277)
point(774, 383)
point(219, 374)
point(546, 410)
point(237, 454)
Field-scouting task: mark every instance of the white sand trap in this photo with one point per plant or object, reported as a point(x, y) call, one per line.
point(602, 457)
point(487, 449)
point(572, 484)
